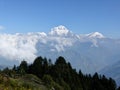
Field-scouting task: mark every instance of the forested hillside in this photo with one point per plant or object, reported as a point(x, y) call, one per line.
point(42, 74)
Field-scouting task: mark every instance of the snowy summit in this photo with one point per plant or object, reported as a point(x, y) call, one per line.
point(95, 35)
point(60, 31)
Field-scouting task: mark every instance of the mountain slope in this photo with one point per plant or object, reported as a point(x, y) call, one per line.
point(113, 71)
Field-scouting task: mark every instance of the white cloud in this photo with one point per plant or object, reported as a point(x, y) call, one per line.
point(16, 47)
point(23, 46)
point(2, 27)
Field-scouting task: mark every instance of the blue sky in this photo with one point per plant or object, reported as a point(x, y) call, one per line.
point(80, 16)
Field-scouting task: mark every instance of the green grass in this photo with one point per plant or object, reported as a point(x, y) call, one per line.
point(26, 82)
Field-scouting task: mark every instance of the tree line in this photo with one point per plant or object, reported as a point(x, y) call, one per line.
point(61, 75)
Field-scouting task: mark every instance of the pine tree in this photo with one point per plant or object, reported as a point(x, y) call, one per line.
point(23, 67)
point(37, 67)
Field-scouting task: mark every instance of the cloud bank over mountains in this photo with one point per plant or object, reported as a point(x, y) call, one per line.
point(23, 46)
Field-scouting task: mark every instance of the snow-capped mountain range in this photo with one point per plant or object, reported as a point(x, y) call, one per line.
point(88, 52)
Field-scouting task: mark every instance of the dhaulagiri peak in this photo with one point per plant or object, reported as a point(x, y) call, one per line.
point(63, 31)
point(60, 30)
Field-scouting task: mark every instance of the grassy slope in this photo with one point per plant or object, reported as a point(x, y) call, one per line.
point(26, 82)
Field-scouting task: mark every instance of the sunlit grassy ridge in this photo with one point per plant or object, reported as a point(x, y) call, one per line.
point(26, 82)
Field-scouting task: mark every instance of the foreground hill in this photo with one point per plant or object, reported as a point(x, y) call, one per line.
point(42, 74)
